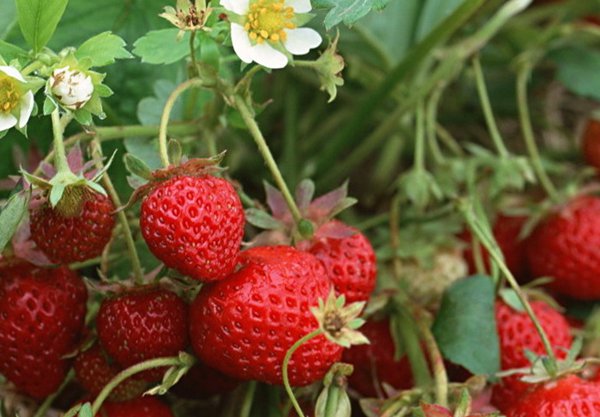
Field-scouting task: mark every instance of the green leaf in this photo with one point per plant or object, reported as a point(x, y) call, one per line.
point(465, 327)
point(162, 46)
point(8, 16)
point(434, 11)
point(103, 49)
point(578, 69)
point(9, 52)
point(38, 20)
point(348, 11)
point(11, 216)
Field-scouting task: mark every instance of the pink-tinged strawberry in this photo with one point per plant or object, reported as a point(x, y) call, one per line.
point(194, 224)
point(142, 323)
point(72, 237)
point(517, 333)
point(375, 363)
point(344, 251)
point(564, 246)
point(140, 407)
point(506, 230)
point(94, 371)
point(569, 396)
point(42, 313)
point(245, 324)
point(202, 381)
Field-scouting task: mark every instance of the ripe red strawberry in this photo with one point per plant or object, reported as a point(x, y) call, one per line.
point(565, 246)
point(194, 225)
point(517, 333)
point(202, 382)
point(506, 231)
point(349, 261)
point(140, 407)
point(41, 317)
point(374, 364)
point(73, 238)
point(244, 325)
point(141, 324)
point(591, 143)
point(93, 371)
point(569, 396)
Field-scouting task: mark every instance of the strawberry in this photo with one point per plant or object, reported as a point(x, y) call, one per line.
point(202, 381)
point(564, 246)
point(93, 371)
point(517, 333)
point(569, 396)
point(42, 313)
point(506, 231)
point(194, 225)
point(245, 324)
point(140, 407)
point(73, 237)
point(143, 323)
point(591, 143)
point(374, 364)
point(348, 259)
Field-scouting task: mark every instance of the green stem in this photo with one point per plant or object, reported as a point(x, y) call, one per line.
point(486, 106)
point(138, 273)
point(164, 119)
point(43, 408)
point(432, 108)
point(419, 162)
point(264, 150)
point(129, 372)
point(60, 157)
point(528, 134)
point(248, 399)
point(90, 262)
point(286, 362)
point(332, 403)
point(193, 54)
point(435, 359)
point(34, 66)
point(491, 245)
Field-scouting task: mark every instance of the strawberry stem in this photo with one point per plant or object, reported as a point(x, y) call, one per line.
point(60, 156)
point(431, 118)
point(248, 399)
point(43, 408)
point(528, 134)
point(129, 372)
point(286, 362)
point(419, 161)
point(265, 152)
point(164, 119)
point(138, 273)
point(486, 106)
point(487, 240)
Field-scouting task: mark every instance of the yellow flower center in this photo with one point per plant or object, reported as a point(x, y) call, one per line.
point(267, 19)
point(10, 93)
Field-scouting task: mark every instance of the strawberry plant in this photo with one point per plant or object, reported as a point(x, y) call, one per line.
point(327, 208)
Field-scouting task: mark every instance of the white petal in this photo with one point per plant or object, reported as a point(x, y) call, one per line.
point(299, 6)
point(237, 6)
point(7, 121)
point(26, 108)
point(267, 56)
point(12, 72)
point(300, 41)
point(241, 43)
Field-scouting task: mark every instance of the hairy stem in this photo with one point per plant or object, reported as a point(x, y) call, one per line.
point(264, 150)
point(43, 408)
point(164, 119)
point(138, 273)
point(286, 362)
point(528, 134)
point(60, 156)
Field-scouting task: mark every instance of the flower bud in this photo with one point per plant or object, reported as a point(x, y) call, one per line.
point(72, 88)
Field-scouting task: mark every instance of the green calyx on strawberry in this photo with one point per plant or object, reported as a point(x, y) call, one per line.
point(463, 409)
point(344, 251)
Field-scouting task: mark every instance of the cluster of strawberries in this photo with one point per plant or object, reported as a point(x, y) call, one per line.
point(252, 307)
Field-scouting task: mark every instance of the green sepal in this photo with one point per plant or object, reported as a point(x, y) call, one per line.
point(137, 167)
point(11, 215)
point(174, 151)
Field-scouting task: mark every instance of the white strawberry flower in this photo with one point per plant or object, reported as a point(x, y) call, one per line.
point(71, 87)
point(16, 100)
point(267, 32)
